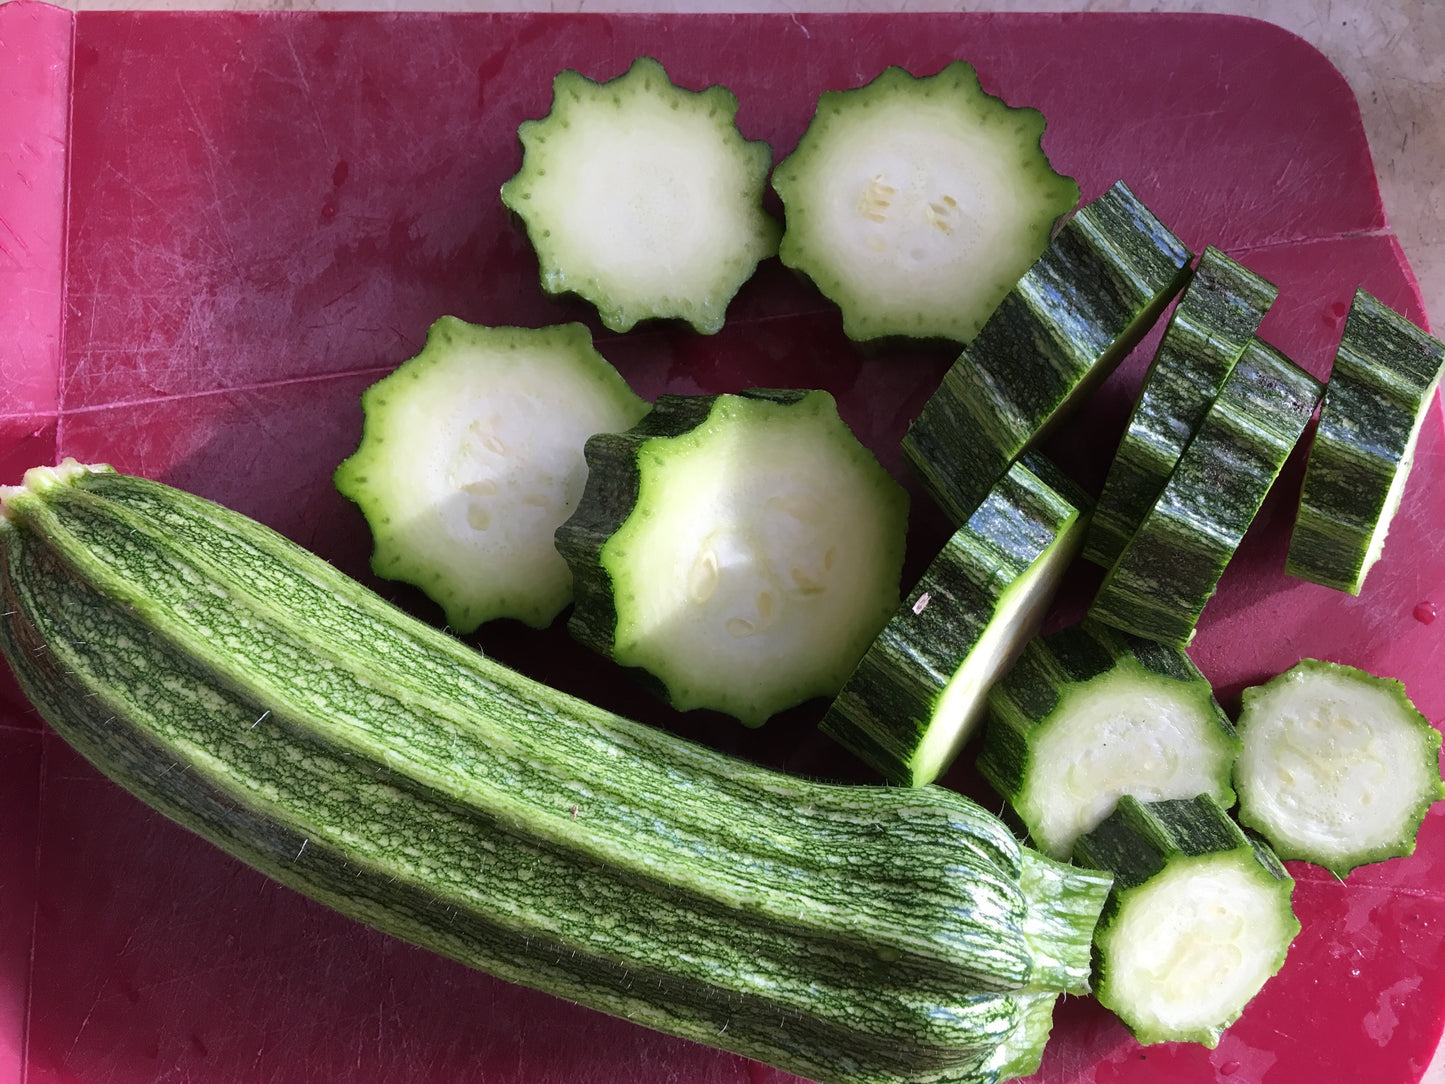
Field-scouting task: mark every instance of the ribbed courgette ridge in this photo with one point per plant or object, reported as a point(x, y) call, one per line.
point(255, 694)
point(1099, 286)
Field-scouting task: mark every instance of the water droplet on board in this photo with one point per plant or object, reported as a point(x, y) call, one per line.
point(1426, 612)
point(1336, 313)
point(1229, 1068)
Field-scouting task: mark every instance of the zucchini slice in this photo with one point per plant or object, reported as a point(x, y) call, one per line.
point(742, 550)
point(1338, 767)
point(643, 198)
point(1166, 574)
point(915, 204)
point(1198, 920)
point(471, 457)
point(1099, 286)
point(1087, 715)
point(1382, 384)
point(918, 692)
point(1217, 315)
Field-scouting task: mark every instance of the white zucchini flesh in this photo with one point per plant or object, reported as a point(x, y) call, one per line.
point(643, 197)
point(472, 456)
point(1192, 946)
point(1124, 732)
point(761, 560)
point(1337, 767)
point(916, 204)
point(1020, 612)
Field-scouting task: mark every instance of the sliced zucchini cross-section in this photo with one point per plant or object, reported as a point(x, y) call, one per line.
point(916, 203)
point(643, 197)
point(1198, 920)
point(470, 458)
point(743, 549)
point(1382, 383)
point(1338, 767)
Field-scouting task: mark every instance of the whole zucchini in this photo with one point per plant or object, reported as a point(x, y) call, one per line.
point(257, 695)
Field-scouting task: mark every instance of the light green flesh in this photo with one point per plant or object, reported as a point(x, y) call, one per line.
point(1021, 609)
point(1392, 498)
point(915, 205)
point(644, 198)
point(1189, 948)
point(1124, 732)
point(471, 459)
point(1335, 769)
point(761, 559)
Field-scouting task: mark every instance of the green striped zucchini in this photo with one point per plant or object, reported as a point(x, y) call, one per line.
point(1086, 715)
point(255, 694)
point(1198, 920)
point(1217, 315)
point(916, 696)
point(1098, 287)
point(1383, 381)
point(1171, 566)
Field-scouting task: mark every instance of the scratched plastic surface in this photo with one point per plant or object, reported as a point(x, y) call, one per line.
point(265, 213)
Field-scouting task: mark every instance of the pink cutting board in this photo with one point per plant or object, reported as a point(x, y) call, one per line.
point(261, 214)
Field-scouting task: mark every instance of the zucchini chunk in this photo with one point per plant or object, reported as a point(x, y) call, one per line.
point(741, 550)
point(1338, 767)
point(1198, 920)
point(470, 459)
point(250, 691)
point(1381, 386)
point(918, 692)
point(915, 204)
point(643, 197)
point(1086, 715)
point(1217, 315)
point(1171, 566)
point(1074, 315)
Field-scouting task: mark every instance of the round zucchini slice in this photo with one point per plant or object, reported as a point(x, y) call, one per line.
point(643, 197)
point(744, 550)
point(915, 204)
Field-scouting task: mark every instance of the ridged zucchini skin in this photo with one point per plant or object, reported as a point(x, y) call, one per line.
point(1217, 315)
point(1170, 568)
point(897, 700)
point(1384, 378)
point(1075, 314)
point(256, 695)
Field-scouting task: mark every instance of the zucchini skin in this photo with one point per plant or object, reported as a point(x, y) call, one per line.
point(1217, 315)
point(1170, 568)
point(893, 700)
point(1074, 315)
point(1384, 376)
point(253, 693)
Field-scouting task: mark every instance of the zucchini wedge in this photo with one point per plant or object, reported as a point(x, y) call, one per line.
point(1171, 566)
point(1217, 315)
point(1075, 314)
point(249, 690)
point(1338, 767)
point(918, 692)
point(1383, 382)
point(741, 551)
point(1086, 715)
point(643, 198)
point(1198, 920)
point(471, 458)
point(915, 204)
